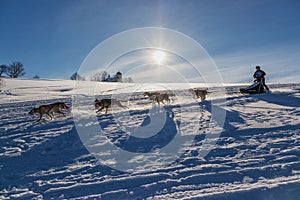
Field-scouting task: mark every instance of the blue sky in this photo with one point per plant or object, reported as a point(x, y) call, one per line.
point(53, 37)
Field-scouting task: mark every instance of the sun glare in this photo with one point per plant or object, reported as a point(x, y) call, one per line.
point(159, 56)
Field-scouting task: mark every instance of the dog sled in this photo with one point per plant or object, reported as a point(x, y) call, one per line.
point(255, 88)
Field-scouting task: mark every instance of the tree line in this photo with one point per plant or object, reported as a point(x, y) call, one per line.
point(98, 77)
point(14, 70)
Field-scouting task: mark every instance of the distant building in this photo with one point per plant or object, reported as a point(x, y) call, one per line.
point(115, 78)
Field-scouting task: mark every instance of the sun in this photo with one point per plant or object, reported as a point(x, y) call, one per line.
point(159, 56)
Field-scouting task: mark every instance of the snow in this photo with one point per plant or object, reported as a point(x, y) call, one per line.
point(255, 156)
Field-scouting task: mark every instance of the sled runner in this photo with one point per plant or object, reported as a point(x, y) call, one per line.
point(255, 88)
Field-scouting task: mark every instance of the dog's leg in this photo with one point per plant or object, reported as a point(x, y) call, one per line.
point(194, 96)
point(106, 110)
point(50, 116)
point(153, 101)
point(157, 100)
point(162, 100)
point(203, 96)
point(99, 110)
point(167, 99)
point(61, 113)
point(39, 119)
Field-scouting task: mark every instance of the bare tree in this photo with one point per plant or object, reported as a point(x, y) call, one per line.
point(3, 69)
point(36, 77)
point(104, 75)
point(15, 70)
point(128, 80)
point(77, 77)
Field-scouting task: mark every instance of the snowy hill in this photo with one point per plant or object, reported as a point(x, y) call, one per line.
point(256, 155)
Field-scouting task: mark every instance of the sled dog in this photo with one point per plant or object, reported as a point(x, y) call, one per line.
point(49, 110)
point(106, 103)
point(157, 97)
point(199, 93)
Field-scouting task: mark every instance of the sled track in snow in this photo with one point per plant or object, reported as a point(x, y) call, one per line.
point(257, 153)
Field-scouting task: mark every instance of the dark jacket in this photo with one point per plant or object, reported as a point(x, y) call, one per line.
point(259, 74)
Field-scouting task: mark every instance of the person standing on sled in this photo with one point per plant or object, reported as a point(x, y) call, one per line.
point(259, 75)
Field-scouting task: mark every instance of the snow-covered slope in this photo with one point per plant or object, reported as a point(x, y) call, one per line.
point(255, 157)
